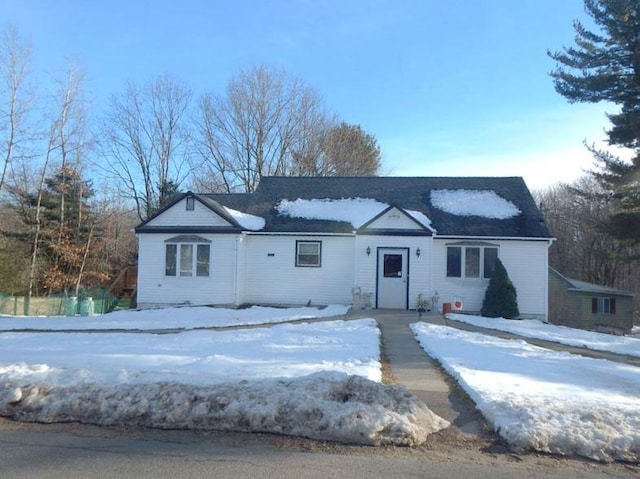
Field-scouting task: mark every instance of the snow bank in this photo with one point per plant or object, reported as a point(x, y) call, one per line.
point(544, 400)
point(483, 203)
point(190, 317)
point(324, 406)
point(250, 222)
point(532, 328)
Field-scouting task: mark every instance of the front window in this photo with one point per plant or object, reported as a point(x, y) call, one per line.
point(308, 253)
point(186, 259)
point(471, 261)
point(603, 305)
point(180, 259)
point(454, 262)
point(171, 259)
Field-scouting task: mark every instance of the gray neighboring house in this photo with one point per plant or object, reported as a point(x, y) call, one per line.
point(583, 305)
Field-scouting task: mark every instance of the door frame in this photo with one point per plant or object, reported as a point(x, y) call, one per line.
point(397, 248)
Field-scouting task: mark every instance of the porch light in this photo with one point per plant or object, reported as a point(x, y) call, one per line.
point(368, 250)
point(418, 252)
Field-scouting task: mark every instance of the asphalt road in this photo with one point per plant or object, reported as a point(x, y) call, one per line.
point(72, 450)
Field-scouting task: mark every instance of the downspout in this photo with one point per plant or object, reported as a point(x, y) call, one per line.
point(237, 280)
point(546, 281)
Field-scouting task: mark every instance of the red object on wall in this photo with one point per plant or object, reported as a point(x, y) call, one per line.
point(446, 308)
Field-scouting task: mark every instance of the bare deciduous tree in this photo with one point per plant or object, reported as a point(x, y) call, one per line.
point(16, 97)
point(145, 141)
point(265, 119)
point(583, 249)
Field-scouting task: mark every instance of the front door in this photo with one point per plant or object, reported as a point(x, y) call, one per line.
point(393, 278)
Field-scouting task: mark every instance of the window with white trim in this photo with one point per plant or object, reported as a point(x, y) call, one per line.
point(309, 253)
point(476, 262)
point(187, 256)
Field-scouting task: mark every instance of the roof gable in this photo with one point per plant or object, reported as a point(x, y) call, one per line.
point(396, 218)
point(206, 213)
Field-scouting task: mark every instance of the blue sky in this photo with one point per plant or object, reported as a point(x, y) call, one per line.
point(455, 87)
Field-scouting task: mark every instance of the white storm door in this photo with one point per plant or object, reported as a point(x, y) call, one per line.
point(393, 278)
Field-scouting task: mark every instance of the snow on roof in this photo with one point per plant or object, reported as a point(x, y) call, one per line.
point(420, 218)
point(484, 203)
point(250, 222)
point(356, 211)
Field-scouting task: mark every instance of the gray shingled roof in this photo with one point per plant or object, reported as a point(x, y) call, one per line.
point(583, 286)
point(410, 193)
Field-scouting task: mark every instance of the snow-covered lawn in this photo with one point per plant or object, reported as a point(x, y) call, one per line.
point(318, 380)
point(540, 399)
point(169, 318)
point(532, 328)
point(192, 357)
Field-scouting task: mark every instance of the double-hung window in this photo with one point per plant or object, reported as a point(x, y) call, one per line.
point(309, 253)
point(471, 261)
point(187, 256)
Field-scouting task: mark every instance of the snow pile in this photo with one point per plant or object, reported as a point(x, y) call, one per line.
point(170, 318)
point(247, 221)
point(483, 203)
point(319, 380)
point(532, 328)
point(356, 211)
point(544, 400)
point(325, 406)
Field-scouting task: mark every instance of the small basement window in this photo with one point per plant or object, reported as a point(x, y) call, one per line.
point(308, 253)
point(603, 305)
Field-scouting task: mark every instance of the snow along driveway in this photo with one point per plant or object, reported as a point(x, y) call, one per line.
point(316, 380)
point(540, 399)
point(532, 328)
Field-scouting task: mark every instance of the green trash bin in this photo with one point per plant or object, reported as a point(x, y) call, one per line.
point(86, 307)
point(71, 306)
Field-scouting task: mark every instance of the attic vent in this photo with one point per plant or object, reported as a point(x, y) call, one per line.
point(190, 203)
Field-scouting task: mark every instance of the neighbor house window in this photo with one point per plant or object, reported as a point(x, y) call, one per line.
point(184, 257)
point(308, 253)
point(603, 305)
point(471, 261)
point(190, 203)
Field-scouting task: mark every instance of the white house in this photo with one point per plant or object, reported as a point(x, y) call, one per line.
point(381, 240)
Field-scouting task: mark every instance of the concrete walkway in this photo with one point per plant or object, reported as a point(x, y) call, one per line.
point(423, 376)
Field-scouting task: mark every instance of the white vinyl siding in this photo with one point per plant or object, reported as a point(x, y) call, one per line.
point(271, 275)
point(526, 263)
point(155, 288)
point(178, 215)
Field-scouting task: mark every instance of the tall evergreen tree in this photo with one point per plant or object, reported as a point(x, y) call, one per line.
point(605, 66)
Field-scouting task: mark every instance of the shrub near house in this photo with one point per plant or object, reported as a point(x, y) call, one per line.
point(501, 298)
